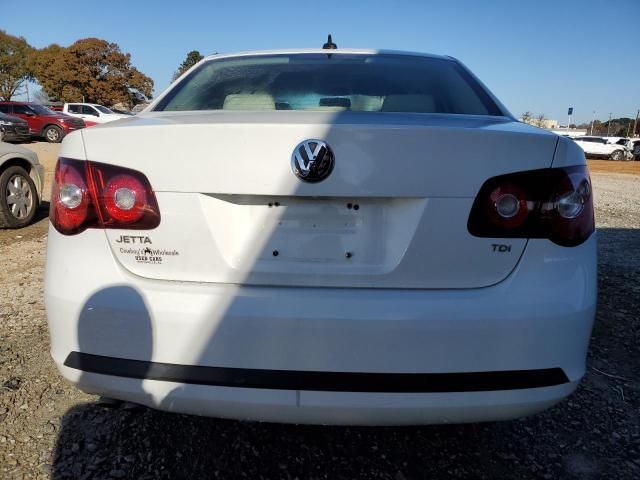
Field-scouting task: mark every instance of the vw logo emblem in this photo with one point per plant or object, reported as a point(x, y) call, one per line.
point(312, 161)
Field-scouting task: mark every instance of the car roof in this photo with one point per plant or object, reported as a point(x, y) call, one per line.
point(324, 51)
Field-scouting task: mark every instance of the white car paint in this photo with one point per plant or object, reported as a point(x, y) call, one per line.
point(229, 280)
point(242, 236)
point(91, 113)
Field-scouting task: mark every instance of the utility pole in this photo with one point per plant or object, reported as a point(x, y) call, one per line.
point(593, 119)
point(635, 124)
point(27, 85)
point(609, 125)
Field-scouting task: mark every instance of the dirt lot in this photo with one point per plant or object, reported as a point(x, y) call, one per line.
point(47, 428)
point(607, 166)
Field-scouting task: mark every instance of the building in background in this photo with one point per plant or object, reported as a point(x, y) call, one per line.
point(541, 122)
point(553, 125)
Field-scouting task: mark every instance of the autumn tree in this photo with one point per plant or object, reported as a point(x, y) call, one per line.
point(50, 70)
point(91, 69)
point(193, 57)
point(14, 52)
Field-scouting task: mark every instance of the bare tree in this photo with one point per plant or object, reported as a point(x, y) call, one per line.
point(526, 117)
point(540, 120)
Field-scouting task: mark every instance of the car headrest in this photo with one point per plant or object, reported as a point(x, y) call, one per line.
point(249, 101)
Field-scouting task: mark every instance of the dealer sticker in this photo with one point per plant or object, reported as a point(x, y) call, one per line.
point(149, 255)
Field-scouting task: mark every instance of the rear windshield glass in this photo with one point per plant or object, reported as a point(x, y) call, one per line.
point(331, 82)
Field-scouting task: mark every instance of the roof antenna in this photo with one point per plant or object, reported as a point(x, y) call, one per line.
point(329, 45)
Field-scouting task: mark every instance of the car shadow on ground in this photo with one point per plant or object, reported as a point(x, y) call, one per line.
point(593, 434)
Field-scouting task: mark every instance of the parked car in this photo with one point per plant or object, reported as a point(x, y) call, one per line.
point(334, 237)
point(634, 148)
point(53, 126)
point(91, 113)
point(628, 144)
point(600, 147)
point(14, 129)
point(54, 106)
point(21, 185)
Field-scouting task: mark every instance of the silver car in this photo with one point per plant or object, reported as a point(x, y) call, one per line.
point(21, 185)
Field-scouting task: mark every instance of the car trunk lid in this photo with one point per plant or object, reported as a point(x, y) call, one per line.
point(392, 214)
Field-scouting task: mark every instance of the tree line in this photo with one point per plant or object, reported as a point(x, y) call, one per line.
point(616, 127)
point(91, 70)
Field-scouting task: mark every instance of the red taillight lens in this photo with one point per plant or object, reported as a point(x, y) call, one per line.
point(70, 200)
point(124, 198)
point(553, 203)
point(96, 195)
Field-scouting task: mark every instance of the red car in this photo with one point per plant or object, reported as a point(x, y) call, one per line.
point(53, 126)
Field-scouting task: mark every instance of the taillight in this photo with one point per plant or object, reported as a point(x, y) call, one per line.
point(96, 195)
point(70, 200)
point(552, 203)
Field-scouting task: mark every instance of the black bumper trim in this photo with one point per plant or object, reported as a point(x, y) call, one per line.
point(318, 381)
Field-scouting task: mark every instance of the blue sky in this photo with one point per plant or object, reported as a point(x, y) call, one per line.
point(542, 56)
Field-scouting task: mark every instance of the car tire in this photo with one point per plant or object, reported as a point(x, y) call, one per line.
point(617, 155)
point(53, 134)
point(18, 198)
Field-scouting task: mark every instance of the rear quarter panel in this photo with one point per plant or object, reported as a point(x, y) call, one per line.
point(568, 153)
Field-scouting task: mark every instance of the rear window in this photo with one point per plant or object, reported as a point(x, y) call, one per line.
point(331, 82)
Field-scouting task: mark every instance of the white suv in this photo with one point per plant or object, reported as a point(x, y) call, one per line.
point(323, 236)
point(601, 147)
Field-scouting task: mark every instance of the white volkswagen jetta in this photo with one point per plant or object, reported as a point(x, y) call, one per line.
point(337, 237)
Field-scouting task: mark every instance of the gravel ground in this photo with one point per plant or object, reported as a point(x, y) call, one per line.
point(49, 429)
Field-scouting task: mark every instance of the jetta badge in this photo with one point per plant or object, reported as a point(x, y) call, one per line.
point(312, 161)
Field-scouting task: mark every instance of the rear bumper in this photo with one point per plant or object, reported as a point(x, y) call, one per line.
point(323, 407)
point(323, 355)
point(315, 380)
